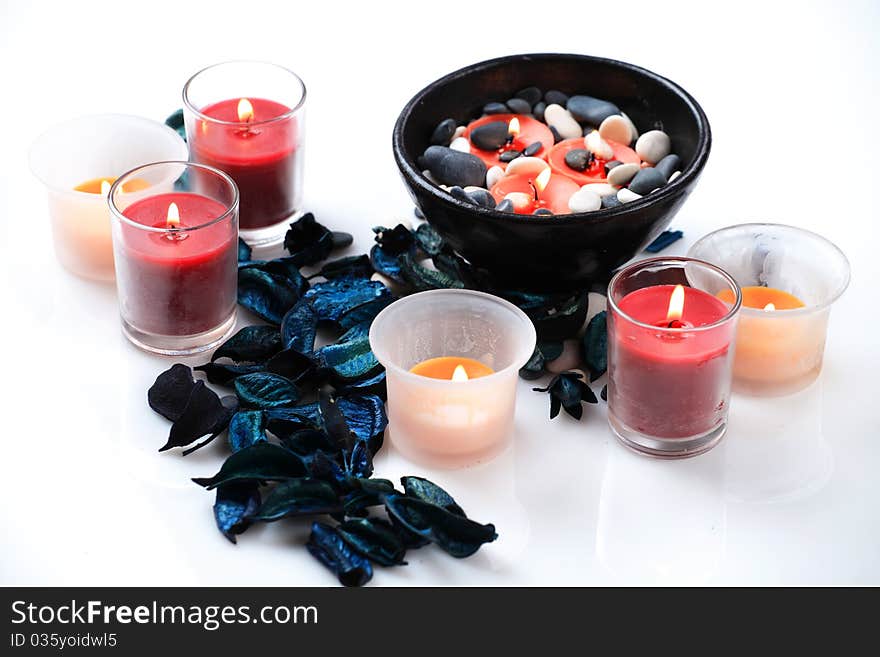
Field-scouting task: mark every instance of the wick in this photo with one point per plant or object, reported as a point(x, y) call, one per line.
point(534, 190)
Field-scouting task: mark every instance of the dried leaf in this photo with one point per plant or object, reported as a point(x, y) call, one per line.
point(328, 547)
point(257, 463)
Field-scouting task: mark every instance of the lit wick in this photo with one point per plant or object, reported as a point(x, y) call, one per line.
point(541, 182)
point(172, 223)
point(676, 308)
point(459, 374)
point(105, 188)
point(770, 306)
point(245, 111)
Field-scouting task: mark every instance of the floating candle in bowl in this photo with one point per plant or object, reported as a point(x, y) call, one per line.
point(435, 414)
point(790, 279)
point(77, 161)
point(497, 139)
point(247, 119)
point(176, 257)
point(529, 192)
point(670, 355)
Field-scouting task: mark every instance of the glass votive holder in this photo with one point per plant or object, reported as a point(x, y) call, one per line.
point(778, 351)
point(73, 159)
point(448, 422)
point(176, 252)
point(670, 355)
point(248, 119)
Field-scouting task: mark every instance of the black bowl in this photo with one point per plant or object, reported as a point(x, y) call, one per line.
point(567, 251)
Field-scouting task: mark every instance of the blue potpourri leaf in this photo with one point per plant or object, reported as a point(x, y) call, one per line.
point(171, 391)
point(595, 345)
point(350, 357)
point(422, 278)
point(292, 365)
point(567, 390)
point(265, 390)
point(257, 463)
point(322, 465)
point(427, 491)
point(223, 374)
point(232, 506)
point(365, 416)
point(299, 327)
point(298, 497)
point(561, 320)
point(429, 240)
point(327, 546)
point(664, 239)
point(349, 267)
point(283, 268)
point(455, 267)
point(365, 493)
point(375, 385)
point(604, 393)
point(387, 264)
point(456, 535)
point(359, 463)
point(251, 344)
point(175, 122)
point(366, 312)
point(336, 424)
point(286, 421)
point(334, 298)
point(203, 414)
point(534, 367)
point(306, 442)
point(394, 241)
point(375, 539)
point(246, 428)
point(244, 251)
point(268, 296)
point(307, 241)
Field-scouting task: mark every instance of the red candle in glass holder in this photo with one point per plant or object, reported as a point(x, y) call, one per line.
point(250, 141)
point(523, 130)
point(178, 282)
point(531, 192)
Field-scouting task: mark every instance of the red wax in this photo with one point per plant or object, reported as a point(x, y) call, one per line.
point(595, 173)
point(177, 286)
point(262, 158)
point(669, 384)
point(530, 131)
point(554, 196)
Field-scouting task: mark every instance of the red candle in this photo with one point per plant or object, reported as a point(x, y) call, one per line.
point(665, 380)
point(253, 141)
point(176, 281)
point(595, 173)
point(544, 190)
point(524, 131)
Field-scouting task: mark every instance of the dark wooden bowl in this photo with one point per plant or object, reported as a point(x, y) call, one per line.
point(567, 251)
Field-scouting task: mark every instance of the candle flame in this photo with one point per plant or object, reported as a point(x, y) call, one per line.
point(513, 127)
point(105, 188)
point(676, 304)
point(542, 179)
point(770, 306)
point(245, 111)
point(173, 219)
point(460, 374)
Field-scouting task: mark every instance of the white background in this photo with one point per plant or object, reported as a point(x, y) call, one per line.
point(791, 495)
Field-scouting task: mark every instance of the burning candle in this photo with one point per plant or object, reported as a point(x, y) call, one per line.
point(255, 134)
point(530, 192)
point(452, 359)
point(670, 355)
point(790, 279)
point(521, 132)
point(595, 169)
point(176, 258)
point(77, 161)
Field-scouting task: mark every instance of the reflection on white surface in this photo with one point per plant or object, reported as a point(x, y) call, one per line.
point(662, 522)
point(776, 451)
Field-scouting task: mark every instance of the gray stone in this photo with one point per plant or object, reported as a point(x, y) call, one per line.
point(530, 94)
point(495, 108)
point(591, 110)
point(555, 97)
point(669, 165)
point(451, 167)
point(443, 133)
point(519, 106)
point(646, 181)
point(505, 206)
point(490, 136)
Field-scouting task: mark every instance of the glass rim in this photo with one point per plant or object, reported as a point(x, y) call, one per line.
point(388, 363)
point(683, 260)
point(117, 213)
point(791, 312)
point(281, 117)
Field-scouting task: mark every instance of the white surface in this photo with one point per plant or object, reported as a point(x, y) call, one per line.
point(790, 496)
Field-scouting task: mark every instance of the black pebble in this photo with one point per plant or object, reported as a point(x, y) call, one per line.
point(519, 106)
point(554, 96)
point(646, 181)
point(530, 94)
point(556, 136)
point(482, 197)
point(610, 201)
point(610, 164)
point(538, 110)
point(341, 240)
point(578, 158)
point(509, 156)
point(418, 213)
point(532, 149)
point(490, 136)
point(452, 167)
point(669, 165)
point(495, 108)
point(442, 134)
point(543, 212)
point(505, 206)
point(587, 109)
point(460, 194)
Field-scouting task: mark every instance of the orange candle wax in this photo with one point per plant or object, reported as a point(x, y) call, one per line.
point(102, 186)
point(445, 367)
point(756, 296)
point(545, 190)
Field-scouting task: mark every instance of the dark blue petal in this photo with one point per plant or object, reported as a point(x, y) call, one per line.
point(260, 462)
point(349, 267)
point(350, 357)
point(332, 299)
point(307, 241)
point(365, 415)
point(595, 343)
point(223, 374)
point(299, 327)
point(428, 491)
point(170, 393)
point(246, 428)
point(244, 251)
point(298, 497)
point(252, 344)
point(328, 547)
point(266, 295)
point(234, 503)
point(664, 239)
point(375, 539)
point(386, 264)
point(265, 390)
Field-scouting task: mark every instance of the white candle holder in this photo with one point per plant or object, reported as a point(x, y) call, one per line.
point(90, 147)
point(779, 352)
point(451, 423)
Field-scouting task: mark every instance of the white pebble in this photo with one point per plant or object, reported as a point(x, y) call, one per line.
point(602, 189)
point(556, 116)
point(474, 188)
point(616, 128)
point(598, 146)
point(527, 166)
point(568, 359)
point(625, 196)
point(520, 200)
point(674, 176)
point(632, 128)
point(494, 174)
point(622, 174)
point(584, 200)
point(459, 131)
point(653, 146)
point(461, 144)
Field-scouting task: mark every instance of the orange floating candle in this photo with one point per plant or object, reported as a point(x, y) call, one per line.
point(454, 368)
point(102, 186)
point(765, 298)
point(530, 192)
